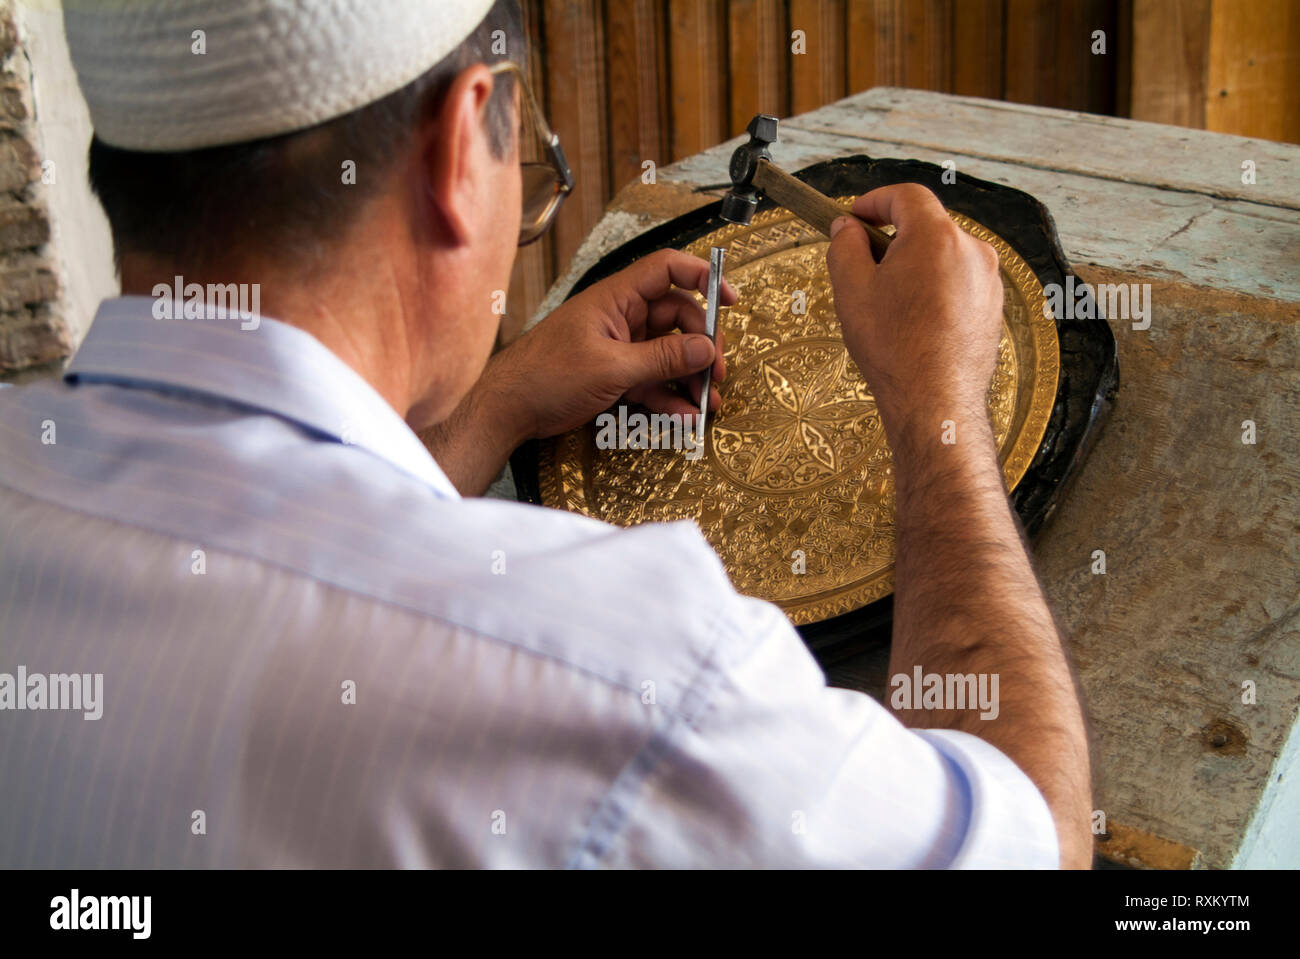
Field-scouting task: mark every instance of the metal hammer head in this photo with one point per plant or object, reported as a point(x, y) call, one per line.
point(741, 201)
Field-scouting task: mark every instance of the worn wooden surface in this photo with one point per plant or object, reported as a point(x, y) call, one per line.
point(1200, 224)
point(1201, 531)
point(1201, 593)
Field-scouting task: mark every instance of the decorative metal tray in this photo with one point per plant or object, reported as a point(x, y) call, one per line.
point(794, 487)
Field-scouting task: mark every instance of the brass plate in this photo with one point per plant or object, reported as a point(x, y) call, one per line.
point(797, 459)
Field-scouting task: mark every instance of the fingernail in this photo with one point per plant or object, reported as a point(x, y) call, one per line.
point(838, 224)
point(698, 350)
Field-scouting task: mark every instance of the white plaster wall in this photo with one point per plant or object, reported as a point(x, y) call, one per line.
point(1273, 839)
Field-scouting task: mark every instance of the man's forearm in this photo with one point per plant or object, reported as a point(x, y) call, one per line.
point(473, 444)
point(967, 601)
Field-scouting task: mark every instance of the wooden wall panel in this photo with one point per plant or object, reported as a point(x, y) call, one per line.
point(900, 43)
point(927, 43)
point(817, 75)
point(861, 62)
point(1031, 53)
point(534, 268)
point(1227, 65)
point(1254, 69)
point(977, 48)
point(1049, 59)
point(1123, 64)
point(575, 104)
point(697, 75)
point(758, 47)
point(636, 113)
point(1170, 74)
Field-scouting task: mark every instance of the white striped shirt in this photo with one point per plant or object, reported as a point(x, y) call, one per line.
point(315, 653)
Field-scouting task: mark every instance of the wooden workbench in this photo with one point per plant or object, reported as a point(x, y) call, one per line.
point(1200, 530)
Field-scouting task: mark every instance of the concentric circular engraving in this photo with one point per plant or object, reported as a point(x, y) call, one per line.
point(794, 487)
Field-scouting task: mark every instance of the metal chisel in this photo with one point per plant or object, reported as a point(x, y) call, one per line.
point(711, 322)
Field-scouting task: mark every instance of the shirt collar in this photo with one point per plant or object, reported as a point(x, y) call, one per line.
point(262, 364)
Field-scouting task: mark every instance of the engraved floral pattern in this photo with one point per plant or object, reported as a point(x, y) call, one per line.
point(807, 415)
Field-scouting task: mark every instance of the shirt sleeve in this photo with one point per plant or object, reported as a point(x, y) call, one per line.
point(780, 770)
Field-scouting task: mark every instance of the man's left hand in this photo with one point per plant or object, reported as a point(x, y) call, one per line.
point(618, 338)
point(613, 340)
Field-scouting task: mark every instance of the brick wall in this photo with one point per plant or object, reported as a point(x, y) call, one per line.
point(33, 334)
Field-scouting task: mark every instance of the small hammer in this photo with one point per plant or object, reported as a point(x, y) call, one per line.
point(752, 170)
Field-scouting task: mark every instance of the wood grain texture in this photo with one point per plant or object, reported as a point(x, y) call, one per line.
point(1170, 61)
point(1202, 546)
point(697, 75)
point(1031, 52)
point(758, 48)
point(906, 43)
point(1133, 847)
point(817, 75)
point(1097, 147)
point(534, 267)
point(575, 107)
point(1122, 59)
point(1164, 232)
point(1230, 245)
point(1169, 227)
point(1254, 69)
point(635, 60)
point(1049, 58)
point(978, 47)
point(926, 44)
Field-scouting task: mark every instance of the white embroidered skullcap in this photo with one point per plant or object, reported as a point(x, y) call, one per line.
point(267, 66)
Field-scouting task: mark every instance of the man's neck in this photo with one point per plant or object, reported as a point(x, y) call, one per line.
point(359, 318)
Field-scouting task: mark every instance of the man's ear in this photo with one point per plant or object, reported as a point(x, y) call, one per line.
point(454, 149)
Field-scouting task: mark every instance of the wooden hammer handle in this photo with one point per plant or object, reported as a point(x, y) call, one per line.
point(810, 204)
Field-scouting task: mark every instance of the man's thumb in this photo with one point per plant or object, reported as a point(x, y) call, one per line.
point(849, 259)
point(669, 357)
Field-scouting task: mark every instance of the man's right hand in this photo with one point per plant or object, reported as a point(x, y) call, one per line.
point(923, 324)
